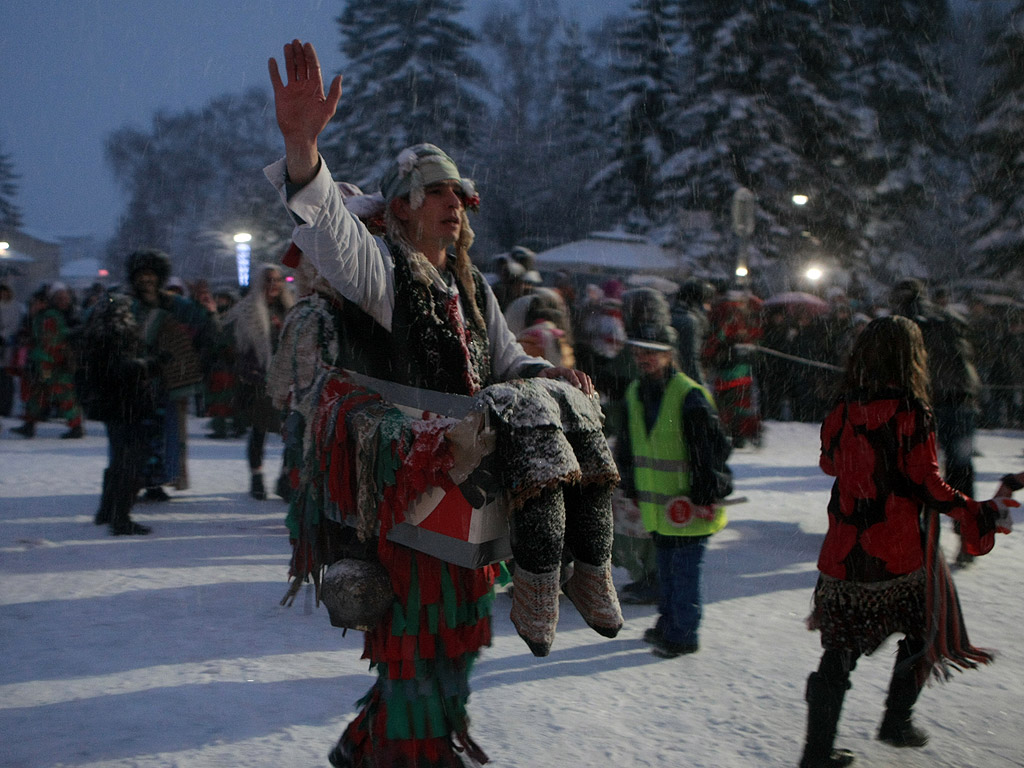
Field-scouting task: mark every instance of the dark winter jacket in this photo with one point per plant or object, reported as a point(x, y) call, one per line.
point(692, 326)
point(119, 377)
point(882, 454)
point(951, 367)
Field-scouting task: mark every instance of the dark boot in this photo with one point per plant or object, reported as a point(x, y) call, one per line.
point(824, 703)
point(28, 429)
point(123, 497)
point(105, 513)
point(256, 489)
point(155, 493)
point(898, 727)
point(73, 434)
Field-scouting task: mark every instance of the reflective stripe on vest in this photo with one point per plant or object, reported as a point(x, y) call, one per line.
point(661, 460)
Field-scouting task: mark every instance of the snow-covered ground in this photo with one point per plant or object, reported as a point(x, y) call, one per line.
point(172, 649)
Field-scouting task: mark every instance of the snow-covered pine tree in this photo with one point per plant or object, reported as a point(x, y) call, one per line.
point(543, 142)
point(998, 141)
point(577, 143)
point(512, 165)
point(410, 78)
point(645, 86)
point(762, 111)
point(10, 213)
point(907, 176)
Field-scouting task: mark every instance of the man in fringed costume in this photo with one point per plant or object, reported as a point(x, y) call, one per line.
point(436, 325)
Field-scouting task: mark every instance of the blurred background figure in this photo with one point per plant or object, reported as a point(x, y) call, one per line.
point(10, 320)
point(954, 382)
point(119, 388)
point(51, 360)
point(219, 372)
point(174, 329)
point(735, 321)
point(517, 275)
point(690, 319)
point(255, 323)
point(540, 322)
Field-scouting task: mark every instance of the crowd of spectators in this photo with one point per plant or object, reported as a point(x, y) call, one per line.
point(765, 358)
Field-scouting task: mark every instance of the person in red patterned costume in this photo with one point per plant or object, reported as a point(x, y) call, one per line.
point(882, 571)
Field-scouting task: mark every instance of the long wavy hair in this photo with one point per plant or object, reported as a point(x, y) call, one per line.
point(889, 353)
point(422, 268)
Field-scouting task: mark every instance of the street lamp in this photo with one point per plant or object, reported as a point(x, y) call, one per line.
point(243, 256)
point(814, 273)
point(800, 199)
point(743, 203)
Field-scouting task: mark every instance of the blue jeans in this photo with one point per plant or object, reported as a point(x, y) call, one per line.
point(680, 602)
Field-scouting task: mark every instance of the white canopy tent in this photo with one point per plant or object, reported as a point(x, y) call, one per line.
point(612, 251)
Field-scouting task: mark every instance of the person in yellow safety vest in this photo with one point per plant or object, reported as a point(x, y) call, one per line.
point(672, 459)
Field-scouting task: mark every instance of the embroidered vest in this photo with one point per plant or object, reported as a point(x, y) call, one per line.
point(433, 346)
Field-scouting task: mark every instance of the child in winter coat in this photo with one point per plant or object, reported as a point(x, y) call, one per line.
point(882, 571)
point(672, 457)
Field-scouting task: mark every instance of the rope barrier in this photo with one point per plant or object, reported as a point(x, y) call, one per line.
point(785, 356)
point(840, 369)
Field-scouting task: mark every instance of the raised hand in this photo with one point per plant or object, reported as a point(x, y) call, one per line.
point(302, 108)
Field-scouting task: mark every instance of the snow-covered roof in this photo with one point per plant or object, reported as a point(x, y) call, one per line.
point(611, 250)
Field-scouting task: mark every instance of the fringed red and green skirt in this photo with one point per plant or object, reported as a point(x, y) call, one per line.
point(423, 650)
point(415, 716)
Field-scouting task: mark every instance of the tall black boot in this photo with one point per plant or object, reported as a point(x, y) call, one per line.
point(898, 727)
point(122, 499)
point(824, 703)
point(105, 513)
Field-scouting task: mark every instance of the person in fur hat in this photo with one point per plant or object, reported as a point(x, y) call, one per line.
point(444, 331)
point(120, 384)
point(256, 325)
point(173, 329)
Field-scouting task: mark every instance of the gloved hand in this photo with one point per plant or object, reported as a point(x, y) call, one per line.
point(1002, 507)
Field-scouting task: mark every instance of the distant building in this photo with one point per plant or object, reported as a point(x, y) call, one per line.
point(27, 262)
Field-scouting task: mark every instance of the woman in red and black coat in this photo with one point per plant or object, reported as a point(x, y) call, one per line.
point(881, 569)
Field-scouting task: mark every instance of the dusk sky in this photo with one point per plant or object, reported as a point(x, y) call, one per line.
point(76, 70)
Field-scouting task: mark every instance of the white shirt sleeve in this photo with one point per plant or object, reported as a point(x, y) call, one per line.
point(359, 266)
point(347, 256)
point(507, 356)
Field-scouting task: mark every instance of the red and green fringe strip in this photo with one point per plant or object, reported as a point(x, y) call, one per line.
point(424, 649)
point(946, 643)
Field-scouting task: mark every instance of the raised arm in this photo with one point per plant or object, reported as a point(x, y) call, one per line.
point(302, 109)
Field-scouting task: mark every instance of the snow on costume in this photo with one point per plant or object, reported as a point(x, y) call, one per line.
point(365, 461)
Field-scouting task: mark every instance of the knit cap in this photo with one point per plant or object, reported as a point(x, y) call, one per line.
point(415, 169)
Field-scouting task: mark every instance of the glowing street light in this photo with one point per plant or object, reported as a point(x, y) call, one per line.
point(814, 273)
point(800, 199)
point(742, 271)
point(243, 257)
